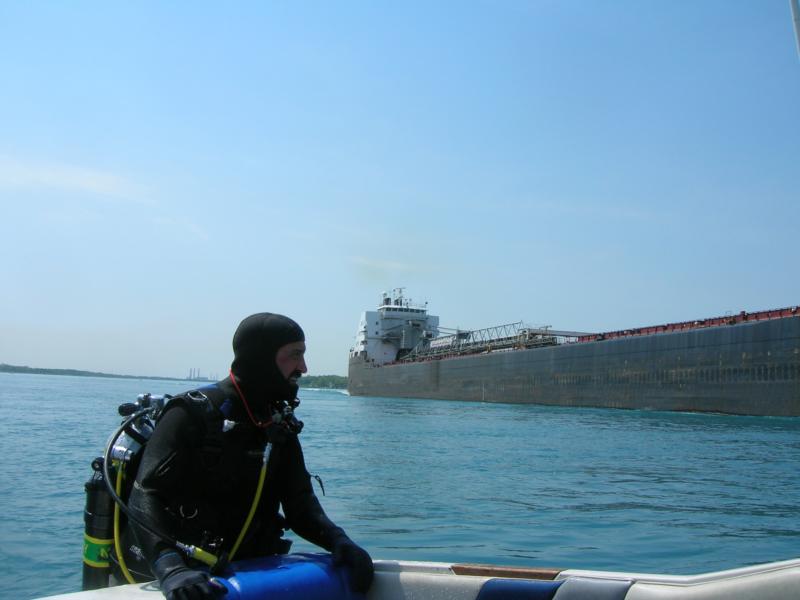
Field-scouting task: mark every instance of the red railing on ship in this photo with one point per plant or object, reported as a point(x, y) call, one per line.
point(742, 317)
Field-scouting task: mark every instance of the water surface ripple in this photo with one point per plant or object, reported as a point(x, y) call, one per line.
point(444, 481)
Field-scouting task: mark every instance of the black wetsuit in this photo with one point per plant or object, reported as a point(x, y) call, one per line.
point(196, 482)
point(200, 469)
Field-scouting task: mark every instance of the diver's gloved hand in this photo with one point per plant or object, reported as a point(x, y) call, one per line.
point(179, 582)
point(347, 552)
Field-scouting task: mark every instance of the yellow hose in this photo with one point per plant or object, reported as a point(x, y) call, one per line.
point(194, 552)
point(261, 477)
point(117, 546)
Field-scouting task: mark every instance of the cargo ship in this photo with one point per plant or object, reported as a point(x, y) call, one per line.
point(745, 364)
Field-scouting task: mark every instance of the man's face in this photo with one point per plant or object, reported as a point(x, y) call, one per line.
point(291, 360)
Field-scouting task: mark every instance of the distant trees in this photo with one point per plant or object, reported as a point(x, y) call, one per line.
point(330, 382)
point(4, 368)
point(323, 381)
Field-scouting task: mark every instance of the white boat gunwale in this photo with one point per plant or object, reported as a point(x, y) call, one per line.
point(411, 580)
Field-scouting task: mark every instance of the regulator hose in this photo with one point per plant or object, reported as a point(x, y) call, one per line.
point(261, 477)
point(117, 546)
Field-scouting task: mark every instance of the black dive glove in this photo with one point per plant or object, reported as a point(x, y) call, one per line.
point(179, 582)
point(347, 552)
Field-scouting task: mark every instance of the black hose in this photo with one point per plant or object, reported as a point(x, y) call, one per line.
point(112, 491)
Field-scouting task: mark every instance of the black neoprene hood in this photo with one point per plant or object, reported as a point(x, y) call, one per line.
point(255, 346)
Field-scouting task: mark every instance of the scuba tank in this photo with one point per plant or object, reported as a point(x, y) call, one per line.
point(99, 517)
point(98, 521)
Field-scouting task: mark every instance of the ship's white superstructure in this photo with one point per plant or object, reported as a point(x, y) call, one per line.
point(394, 329)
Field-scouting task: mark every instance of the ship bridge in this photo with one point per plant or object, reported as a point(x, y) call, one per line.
point(393, 329)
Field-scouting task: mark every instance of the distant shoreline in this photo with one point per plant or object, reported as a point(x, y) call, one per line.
point(4, 368)
point(317, 381)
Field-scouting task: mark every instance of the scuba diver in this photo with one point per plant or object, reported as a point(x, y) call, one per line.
point(221, 462)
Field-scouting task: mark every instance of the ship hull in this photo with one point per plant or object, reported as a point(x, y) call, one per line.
point(746, 369)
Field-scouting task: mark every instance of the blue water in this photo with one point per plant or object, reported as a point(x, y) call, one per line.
point(443, 481)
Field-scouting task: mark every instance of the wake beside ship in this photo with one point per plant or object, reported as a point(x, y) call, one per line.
point(746, 364)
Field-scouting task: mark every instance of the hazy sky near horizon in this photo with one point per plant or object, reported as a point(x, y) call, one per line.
point(167, 169)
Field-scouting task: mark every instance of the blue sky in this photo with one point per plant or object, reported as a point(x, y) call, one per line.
point(167, 169)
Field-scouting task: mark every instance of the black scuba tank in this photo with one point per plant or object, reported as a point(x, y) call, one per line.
point(98, 537)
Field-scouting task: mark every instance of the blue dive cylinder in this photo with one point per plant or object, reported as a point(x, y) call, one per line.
point(288, 577)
